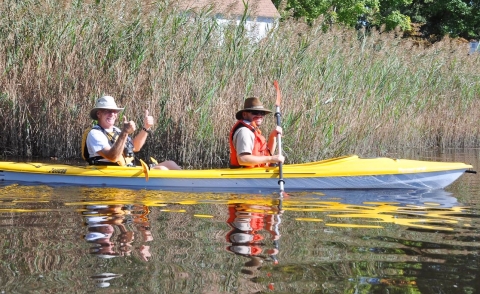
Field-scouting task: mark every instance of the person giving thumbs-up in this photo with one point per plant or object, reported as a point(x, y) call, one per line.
point(109, 145)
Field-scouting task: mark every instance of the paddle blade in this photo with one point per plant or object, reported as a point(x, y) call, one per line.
point(279, 95)
point(146, 169)
point(153, 160)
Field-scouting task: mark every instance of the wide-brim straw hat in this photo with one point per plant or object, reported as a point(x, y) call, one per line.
point(105, 102)
point(252, 103)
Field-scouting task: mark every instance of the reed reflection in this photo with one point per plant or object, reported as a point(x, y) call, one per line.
point(252, 224)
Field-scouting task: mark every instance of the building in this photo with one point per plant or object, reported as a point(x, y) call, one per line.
point(262, 15)
point(473, 47)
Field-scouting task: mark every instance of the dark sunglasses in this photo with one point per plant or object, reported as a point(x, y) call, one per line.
point(257, 112)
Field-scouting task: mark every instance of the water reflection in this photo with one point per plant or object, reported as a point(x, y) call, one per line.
point(437, 198)
point(434, 210)
point(103, 280)
point(112, 228)
point(115, 230)
point(195, 242)
point(250, 224)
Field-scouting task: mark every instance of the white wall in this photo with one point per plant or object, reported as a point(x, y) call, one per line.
point(474, 47)
point(257, 29)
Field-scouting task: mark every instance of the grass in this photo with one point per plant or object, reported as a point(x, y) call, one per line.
point(344, 91)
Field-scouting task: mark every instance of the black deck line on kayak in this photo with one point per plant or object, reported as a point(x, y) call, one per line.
point(274, 173)
point(471, 171)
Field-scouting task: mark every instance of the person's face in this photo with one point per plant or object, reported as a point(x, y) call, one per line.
point(254, 116)
point(107, 117)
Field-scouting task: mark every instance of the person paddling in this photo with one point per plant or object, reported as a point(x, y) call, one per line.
point(248, 147)
point(108, 145)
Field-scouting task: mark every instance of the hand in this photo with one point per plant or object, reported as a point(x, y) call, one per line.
point(278, 130)
point(147, 121)
point(128, 126)
point(277, 159)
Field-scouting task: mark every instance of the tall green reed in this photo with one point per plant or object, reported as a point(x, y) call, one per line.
point(344, 91)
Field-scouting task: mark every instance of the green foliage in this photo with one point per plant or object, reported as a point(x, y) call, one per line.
point(448, 17)
point(457, 18)
point(396, 19)
point(351, 12)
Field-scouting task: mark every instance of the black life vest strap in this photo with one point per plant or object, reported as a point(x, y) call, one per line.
point(236, 166)
point(96, 161)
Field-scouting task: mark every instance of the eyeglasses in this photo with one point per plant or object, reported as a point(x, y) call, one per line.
point(110, 111)
point(256, 112)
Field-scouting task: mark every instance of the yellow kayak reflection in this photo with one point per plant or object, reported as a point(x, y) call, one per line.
point(333, 208)
point(353, 209)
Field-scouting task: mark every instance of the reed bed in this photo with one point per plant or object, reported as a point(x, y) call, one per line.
point(344, 91)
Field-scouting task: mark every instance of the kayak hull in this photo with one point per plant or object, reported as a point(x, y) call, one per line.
point(349, 172)
point(434, 180)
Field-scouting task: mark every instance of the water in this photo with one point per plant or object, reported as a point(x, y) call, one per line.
point(107, 240)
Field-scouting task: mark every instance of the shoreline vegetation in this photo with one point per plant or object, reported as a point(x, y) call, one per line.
point(343, 91)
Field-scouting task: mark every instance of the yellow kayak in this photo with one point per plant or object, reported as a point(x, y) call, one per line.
point(348, 172)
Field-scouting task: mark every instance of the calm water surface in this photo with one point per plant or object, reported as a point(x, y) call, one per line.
point(109, 240)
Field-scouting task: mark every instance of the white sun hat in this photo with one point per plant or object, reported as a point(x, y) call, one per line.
point(104, 102)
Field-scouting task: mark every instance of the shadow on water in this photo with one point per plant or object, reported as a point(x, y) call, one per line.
point(78, 239)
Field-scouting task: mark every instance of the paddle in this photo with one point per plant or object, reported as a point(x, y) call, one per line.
point(281, 182)
point(153, 160)
point(146, 169)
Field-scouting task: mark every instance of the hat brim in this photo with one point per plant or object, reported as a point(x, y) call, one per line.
point(239, 116)
point(93, 112)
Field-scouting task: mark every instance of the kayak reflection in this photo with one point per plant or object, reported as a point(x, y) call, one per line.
point(253, 224)
point(416, 209)
point(111, 229)
point(402, 197)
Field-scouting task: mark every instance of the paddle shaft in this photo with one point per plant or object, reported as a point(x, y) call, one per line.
point(278, 116)
point(281, 182)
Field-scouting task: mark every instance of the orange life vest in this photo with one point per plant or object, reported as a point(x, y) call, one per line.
point(259, 145)
point(245, 235)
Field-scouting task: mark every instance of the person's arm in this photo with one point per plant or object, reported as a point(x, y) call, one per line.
point(116, 151)
point(139, 140)
point(272, 139)
point(251, 160)
point(141, 137)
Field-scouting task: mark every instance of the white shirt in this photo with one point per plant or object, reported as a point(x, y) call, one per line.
point(243, 139)
point(97, 141)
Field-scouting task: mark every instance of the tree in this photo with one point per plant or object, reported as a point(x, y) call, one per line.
point(457, 18)
point(350, 12)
